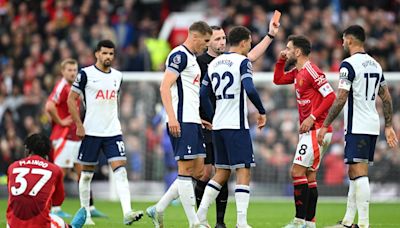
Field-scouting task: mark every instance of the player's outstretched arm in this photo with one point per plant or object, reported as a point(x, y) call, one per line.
point(390, 134)
point(261, 47)
point(166, 97)
point(73, 110)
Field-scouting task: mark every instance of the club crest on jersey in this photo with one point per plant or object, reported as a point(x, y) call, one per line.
point(105, 95)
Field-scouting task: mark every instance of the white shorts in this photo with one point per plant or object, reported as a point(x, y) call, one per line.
point(308, 152)
point(68, 154)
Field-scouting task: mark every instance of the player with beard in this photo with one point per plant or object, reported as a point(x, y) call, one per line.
point(100, 86)
point(314, 98)
point(217, 47)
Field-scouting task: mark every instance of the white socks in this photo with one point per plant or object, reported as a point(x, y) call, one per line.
point(210, 194)
point(122, 185)
point(362, 200)
point(242, 197)
point(170, 195)
point(188, 199)
point(84, 190)
point(358, 200)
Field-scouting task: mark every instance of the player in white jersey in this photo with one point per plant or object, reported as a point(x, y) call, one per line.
point(180, 96)
point(361, 79)
point(229, 78)
point(99, 85)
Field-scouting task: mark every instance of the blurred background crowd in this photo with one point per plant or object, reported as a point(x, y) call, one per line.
point(36, 35)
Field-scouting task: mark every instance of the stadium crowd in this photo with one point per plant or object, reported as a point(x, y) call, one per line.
point(36, 35)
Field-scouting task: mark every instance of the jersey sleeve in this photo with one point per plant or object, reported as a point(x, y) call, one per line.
point(346, 76)
point(246, 69)
point(177, 62)
point(319, 81)
point(55, 95)
point(280, 76)
point(58, 195)
point(80, 82)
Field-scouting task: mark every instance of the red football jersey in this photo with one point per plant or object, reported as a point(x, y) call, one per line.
point(33, 185)
point(59, 96)
point(311, 87)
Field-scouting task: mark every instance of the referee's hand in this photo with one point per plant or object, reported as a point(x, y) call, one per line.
point(174, 128)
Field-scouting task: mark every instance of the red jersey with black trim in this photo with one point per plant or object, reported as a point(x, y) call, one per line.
point(311, 89)
point(34, 184)
point(59, 96)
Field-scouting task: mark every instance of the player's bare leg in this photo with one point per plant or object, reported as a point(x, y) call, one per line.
point(122, 186)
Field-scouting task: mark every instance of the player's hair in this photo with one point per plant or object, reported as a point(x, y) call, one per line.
point(238, 34)
point(215, 27)
point(67, 61)
point(106, 44)
point(301, 42)
point(201, 27)
point(38, 144)
point(356, 31)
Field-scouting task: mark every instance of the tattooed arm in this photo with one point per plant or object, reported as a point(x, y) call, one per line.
point(337, 106)
point(387, 105)
point(390, 134)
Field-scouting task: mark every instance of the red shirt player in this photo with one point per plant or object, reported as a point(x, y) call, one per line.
point(33, 185)
point(314, 98)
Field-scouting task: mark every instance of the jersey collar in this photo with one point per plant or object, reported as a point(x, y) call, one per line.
point(187, 49)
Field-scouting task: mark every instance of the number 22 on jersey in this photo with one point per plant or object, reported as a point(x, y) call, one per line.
point(226, 76)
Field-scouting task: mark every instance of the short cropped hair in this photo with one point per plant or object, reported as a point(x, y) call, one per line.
point(238, 34)
point(106, 44)
point(215, 27)
point(67, 61)
point(302, 42)
point(201, 27)
point(356, 31)
point(38, 144)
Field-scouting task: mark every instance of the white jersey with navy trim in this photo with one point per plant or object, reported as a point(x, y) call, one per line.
point(362, 76)
point(185, 91)
point(226, 73)
point(100, 92)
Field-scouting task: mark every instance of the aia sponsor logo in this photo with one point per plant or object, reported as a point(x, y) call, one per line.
point(196, 80)
point(106, 95)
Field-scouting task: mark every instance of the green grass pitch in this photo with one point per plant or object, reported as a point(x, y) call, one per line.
point(261, 214)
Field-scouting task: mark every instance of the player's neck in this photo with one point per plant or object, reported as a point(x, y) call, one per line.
point(102, 68)
point(301, 61)
point(357, 49)
point(189, 46)
point(237, 50)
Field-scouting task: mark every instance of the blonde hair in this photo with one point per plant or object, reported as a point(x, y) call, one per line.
point(65, 62)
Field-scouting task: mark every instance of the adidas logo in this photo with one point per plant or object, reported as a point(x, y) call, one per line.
point(299, 158)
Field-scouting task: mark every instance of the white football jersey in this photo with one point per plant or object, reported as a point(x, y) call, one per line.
point(362, 76)
point(100, 93)
point(226, 73)
point(185, 91)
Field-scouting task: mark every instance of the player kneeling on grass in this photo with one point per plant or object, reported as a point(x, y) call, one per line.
point(33, 184)
point(229, 78)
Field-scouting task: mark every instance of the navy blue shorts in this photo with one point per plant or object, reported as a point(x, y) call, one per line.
point(233, 149)
point(359, 148)
point(113, 148)
point(190, 145)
